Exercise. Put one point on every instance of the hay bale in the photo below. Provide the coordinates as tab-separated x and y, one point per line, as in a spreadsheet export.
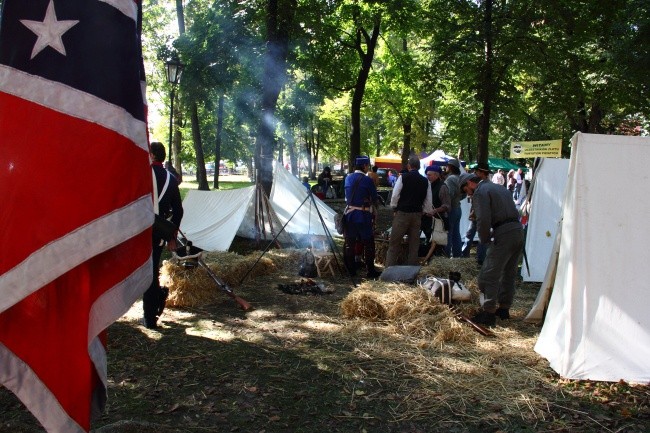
363	304
195	287
188	287
412	311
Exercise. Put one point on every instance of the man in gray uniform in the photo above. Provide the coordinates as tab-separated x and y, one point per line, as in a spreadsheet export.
497	218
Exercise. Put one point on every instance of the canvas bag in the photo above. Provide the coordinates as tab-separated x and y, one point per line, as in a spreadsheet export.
439	234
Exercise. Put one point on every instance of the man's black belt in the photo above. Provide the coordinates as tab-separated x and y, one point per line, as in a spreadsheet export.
500	223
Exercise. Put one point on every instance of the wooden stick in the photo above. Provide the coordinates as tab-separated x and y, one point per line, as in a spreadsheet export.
478	328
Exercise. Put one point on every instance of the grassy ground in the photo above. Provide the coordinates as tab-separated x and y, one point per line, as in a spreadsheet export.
295	363
225	182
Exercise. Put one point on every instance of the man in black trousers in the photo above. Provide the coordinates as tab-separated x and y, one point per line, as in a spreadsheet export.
169	205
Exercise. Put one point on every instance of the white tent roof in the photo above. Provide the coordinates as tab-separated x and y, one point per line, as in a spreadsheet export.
289	196
438	155
545	212
213	218
597	325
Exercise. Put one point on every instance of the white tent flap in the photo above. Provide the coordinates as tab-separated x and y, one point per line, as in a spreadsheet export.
597	325
548	183
211	218
289	196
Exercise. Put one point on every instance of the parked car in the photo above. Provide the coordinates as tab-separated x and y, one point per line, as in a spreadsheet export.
383	176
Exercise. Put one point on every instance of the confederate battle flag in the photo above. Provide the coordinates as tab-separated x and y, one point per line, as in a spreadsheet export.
76	207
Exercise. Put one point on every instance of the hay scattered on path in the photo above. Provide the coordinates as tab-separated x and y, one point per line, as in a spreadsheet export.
412	311
194	287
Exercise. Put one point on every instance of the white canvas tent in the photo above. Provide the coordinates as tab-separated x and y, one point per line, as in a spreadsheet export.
213	218
597	324
548	186
438	156
287	196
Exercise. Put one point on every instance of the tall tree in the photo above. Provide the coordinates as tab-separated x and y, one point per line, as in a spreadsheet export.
279	22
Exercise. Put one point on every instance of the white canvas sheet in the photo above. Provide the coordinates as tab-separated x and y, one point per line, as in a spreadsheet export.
211	218
287	197
597	325
545	212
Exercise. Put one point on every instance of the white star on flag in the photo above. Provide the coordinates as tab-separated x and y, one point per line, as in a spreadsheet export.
49	31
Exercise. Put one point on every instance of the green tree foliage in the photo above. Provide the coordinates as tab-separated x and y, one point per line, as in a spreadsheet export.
326	80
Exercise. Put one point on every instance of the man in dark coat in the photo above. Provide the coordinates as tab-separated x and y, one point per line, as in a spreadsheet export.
169	206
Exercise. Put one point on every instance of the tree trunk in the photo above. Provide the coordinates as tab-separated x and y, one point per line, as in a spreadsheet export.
291	148
175	159
309	153
279	19
488	87
217	145
406	150
201	176
198	148
363	39
378	142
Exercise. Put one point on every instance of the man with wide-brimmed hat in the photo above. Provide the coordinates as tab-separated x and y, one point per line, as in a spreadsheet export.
496	218
482	170
361	200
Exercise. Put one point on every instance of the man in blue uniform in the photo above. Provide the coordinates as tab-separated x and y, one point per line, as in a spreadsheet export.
361	200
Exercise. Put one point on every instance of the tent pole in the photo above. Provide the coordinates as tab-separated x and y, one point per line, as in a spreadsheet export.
273	241
333	246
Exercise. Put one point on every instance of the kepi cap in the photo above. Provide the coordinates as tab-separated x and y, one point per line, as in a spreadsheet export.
362	160
434	167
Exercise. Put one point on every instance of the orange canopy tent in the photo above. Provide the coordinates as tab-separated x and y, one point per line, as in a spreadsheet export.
391	160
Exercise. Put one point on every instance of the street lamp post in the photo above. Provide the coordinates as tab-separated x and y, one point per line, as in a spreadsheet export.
174	69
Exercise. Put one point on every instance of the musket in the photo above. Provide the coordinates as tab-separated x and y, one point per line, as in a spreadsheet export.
445	295
219	282
478	328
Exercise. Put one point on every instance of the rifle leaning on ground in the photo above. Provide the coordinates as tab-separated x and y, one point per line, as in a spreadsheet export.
191	255
444	292
464	319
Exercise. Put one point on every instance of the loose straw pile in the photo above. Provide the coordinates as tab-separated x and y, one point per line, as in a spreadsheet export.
194	287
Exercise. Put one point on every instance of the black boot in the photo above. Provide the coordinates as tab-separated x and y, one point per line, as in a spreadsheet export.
485	318
369	254
164	294
502	313
348	258
150	322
